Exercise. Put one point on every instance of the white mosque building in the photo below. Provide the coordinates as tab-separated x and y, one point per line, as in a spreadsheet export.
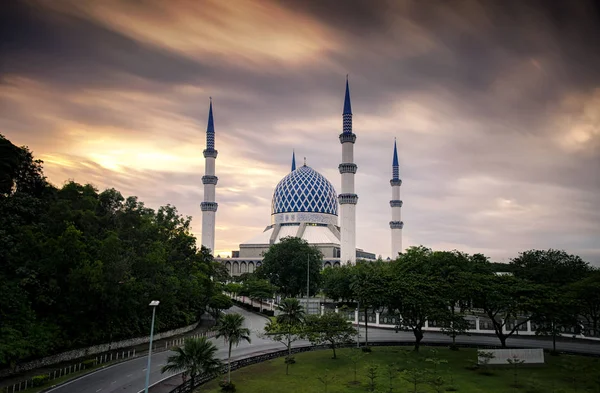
305	205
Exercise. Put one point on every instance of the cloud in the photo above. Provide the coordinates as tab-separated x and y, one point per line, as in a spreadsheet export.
494	105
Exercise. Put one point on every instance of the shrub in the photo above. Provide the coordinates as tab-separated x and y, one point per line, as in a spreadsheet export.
39	380
227	386
88	363
290	360
453	347
366	349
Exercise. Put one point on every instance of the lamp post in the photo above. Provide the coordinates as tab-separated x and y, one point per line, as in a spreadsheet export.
307	281
152	304
358	326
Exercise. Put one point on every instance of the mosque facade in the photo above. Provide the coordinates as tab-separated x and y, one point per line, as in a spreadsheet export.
305	205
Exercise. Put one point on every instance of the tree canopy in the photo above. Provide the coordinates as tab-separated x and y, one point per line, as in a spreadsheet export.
285	266
79	267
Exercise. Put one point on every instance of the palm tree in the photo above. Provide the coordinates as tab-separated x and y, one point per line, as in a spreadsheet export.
291	312
291	316
231	327
197	357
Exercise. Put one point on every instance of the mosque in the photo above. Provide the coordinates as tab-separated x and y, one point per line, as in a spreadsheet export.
304	205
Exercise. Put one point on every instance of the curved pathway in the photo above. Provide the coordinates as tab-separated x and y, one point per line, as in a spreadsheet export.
129	376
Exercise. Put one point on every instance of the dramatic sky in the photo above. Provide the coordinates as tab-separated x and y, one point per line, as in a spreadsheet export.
495	106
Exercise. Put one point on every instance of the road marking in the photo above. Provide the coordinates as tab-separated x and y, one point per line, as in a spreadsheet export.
129	375
113	382
145	369
98	390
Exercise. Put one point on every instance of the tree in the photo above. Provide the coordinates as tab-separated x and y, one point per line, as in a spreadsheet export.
451	274
231	327
331	328
218	303
549	267
19	171
71	253
257	289
285	266
586	294
552	311
369	288
287	327
503	299
196	358
416	298
336	283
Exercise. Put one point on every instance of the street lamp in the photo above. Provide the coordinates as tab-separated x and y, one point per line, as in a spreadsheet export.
152	304
307	280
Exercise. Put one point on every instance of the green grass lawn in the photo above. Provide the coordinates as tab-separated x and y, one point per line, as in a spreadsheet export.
562	373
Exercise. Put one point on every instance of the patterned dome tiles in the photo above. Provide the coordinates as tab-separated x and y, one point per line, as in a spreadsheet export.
304	190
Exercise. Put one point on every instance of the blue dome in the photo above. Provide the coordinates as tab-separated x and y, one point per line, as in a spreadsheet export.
304	190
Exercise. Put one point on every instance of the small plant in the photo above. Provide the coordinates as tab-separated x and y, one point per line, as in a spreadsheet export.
355	357
484	358
290	360
372	375
437	382
39	380
367	349
416	376
326	379
88	363
392	370
572	370
227	386
515	361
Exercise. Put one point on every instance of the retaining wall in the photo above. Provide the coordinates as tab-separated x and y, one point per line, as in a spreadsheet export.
93	350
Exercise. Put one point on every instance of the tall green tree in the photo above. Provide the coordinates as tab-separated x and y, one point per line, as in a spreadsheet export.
369	285
285	265
549	267
231	327
72	253
331	328
586	293
416	298
197	358
504	300
552	310
336	283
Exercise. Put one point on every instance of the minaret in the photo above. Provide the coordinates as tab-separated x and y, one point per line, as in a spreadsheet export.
347	198
209	206
396	224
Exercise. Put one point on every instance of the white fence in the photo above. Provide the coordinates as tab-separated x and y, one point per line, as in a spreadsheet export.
501	356
73	368
93	350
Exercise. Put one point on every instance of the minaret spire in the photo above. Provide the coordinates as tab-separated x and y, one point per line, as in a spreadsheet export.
209	206
347	199
347	105
293	161
396	224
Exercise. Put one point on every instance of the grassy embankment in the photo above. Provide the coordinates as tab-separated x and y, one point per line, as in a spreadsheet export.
563	373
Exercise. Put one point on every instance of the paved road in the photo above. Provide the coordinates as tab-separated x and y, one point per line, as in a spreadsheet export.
129	377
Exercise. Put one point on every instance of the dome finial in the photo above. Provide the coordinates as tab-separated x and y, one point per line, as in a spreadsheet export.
293	160
304	161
